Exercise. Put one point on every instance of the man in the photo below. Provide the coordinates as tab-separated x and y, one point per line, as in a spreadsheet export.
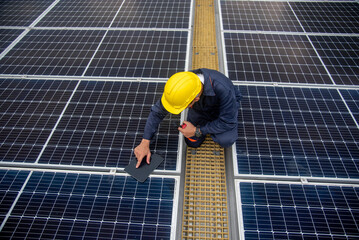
212	103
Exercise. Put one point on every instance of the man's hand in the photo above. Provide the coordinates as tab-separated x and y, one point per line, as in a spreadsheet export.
189	130
142	151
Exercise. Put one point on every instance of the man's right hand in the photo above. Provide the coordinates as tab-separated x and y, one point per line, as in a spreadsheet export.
141	151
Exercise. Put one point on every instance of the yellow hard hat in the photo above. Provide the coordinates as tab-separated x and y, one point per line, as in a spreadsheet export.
180	90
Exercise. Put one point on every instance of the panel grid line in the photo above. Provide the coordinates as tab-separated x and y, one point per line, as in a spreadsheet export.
57	123
27	30
103	38
15	201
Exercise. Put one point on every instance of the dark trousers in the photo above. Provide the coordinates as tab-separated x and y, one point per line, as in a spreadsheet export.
224	139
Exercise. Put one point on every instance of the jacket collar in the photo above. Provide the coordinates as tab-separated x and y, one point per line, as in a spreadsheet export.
208	82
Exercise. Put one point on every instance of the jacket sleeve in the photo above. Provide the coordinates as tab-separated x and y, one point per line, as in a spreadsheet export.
157	114
228	114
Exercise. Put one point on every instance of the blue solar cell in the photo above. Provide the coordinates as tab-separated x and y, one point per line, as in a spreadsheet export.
154	14
306	133
328	17
7	36
76	201
259	16
104	122
352	99
30	109
304	211
11	182
52	52
273	58
155	54
81	13
340	56
19	13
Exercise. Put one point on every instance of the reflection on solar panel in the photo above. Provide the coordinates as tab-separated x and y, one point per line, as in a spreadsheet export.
30	109
328	17
294	211
297	131
81	13
52	52
58	205
154	14
273	58
259	16
105	121
21	13
157	54
341	57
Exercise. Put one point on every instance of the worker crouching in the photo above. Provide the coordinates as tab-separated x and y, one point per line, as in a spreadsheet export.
212	102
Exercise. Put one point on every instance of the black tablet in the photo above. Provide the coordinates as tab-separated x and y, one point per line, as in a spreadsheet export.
142	173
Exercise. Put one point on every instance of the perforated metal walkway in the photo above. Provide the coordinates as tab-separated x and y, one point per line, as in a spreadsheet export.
205	211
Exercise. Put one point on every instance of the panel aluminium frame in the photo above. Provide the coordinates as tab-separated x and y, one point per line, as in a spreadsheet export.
33	27
102	174
309	36
307	124
275	181
278	179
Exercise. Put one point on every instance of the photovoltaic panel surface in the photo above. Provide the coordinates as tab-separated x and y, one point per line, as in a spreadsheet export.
341	57
21	13
284	131
273	58
81	13
68	205
7	36
154	14
104	122
11	182
295	211
328	17
52	52
29	111
157	54
296	132
352	100
259	16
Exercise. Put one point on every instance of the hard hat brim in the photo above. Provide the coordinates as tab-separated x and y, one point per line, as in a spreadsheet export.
170	108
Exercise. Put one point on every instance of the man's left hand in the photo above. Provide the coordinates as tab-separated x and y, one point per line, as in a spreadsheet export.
189	130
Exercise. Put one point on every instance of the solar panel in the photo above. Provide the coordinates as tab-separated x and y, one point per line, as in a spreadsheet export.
122	53
21	13
259	16
30	109
273	58
154	14
81	13
328	17
11	181
296	132
341	57
352	100
104	122
155	54
57	205
7	36
52	52
295	211
93	114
